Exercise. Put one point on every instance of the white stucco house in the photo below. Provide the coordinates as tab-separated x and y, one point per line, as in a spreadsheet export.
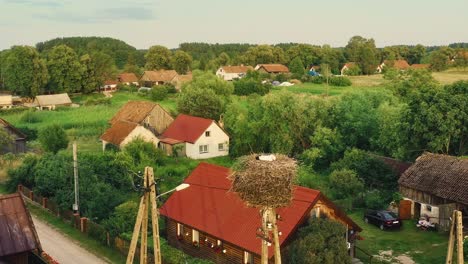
229	73
123	132
195	137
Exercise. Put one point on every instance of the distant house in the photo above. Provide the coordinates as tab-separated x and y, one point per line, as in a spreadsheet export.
197	138
229	73
180	79
18	139
137	119
434	186
123	132
420	66
161	77
18	237
208	221
272	68
109	86
51	101
128	78
6	101
401	65
346	67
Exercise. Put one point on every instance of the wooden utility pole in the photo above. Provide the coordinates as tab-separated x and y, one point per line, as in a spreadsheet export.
456	233
76	207
273	221
142	222
264	259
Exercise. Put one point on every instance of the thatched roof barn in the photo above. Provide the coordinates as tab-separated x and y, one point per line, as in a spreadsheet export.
51	101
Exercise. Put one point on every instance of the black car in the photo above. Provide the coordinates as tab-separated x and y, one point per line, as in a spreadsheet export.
383	219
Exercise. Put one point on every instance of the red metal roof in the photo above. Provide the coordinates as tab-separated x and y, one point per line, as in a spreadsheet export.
187	128
17	232
209	206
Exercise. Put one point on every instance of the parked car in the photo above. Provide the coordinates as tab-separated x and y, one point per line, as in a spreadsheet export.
383	219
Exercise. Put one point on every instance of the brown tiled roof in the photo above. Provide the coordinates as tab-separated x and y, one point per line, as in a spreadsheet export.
184	77
159	76
127	77
118	132
398	64
237	69
439	175
134	111
420	66
17	231
274	68
53	99
12	129
111	82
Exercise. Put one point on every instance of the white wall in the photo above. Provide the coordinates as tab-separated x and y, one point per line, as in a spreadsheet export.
217	136
227	76
433	214
143	133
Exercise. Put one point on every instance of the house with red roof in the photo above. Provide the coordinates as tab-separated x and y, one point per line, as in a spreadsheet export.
109	86
207	220
347	66
401	65
128	78
272	68
195	137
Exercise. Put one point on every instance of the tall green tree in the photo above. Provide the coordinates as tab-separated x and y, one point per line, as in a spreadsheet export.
181	62
65	70
416	54
296	68
53	138
89	81
364	52
439	60
157	58
24	72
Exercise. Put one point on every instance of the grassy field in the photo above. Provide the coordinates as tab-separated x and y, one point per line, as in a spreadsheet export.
409	241
322	89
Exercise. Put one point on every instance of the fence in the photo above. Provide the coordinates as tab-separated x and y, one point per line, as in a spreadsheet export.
82	224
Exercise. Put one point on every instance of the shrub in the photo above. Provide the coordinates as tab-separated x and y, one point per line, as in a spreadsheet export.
340	81
24	174
122	219
282	77
30	133
53	138
97	101
375	200
30	116
158	93
354	70
250	86
317	79
345	183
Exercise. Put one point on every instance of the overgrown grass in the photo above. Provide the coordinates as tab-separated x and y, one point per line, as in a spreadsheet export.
83	240
421	246
320	89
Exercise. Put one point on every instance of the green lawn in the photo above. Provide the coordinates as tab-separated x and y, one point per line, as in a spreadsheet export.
422	246
321	89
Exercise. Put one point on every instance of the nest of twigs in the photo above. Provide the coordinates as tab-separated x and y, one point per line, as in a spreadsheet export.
263	183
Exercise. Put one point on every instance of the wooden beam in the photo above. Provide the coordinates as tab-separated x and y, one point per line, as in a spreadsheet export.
144	228
154	218
275	236
264	259
449	259
459	221
136	231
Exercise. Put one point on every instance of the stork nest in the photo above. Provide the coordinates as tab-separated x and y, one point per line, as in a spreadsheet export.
264	183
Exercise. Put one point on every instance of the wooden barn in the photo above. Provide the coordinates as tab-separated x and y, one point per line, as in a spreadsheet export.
17	139
434	186
142	119
18	237
6	101
208	221
51	101
161	77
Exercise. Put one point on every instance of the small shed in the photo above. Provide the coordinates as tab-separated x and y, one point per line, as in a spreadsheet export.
51	101
18	237
6	101
18	139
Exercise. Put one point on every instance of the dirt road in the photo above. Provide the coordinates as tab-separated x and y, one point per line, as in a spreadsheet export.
62	248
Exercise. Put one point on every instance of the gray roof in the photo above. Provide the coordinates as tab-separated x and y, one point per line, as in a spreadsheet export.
6	100
53	99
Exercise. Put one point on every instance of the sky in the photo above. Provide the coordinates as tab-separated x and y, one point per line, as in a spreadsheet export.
143	23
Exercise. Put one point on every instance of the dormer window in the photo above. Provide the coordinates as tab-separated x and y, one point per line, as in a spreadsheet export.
207	133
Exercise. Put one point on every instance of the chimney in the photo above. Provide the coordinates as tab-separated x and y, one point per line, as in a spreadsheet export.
221	121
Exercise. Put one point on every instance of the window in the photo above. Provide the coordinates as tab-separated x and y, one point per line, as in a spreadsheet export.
429	208
203	149
195	237
219	243
180	229
221	146
207	133
248	258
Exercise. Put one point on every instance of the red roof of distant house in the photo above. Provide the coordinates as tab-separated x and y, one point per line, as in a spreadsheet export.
187	128
17	232
118	132
398	64
159	76
274	68
111	82
128	77
208	205
349	64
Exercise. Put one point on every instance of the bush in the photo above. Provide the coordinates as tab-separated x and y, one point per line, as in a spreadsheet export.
158	93
317	79
53	138
375	200
97	101
340	81
30	116
282	77
345	183
354	70
250	86
122	219
24	174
